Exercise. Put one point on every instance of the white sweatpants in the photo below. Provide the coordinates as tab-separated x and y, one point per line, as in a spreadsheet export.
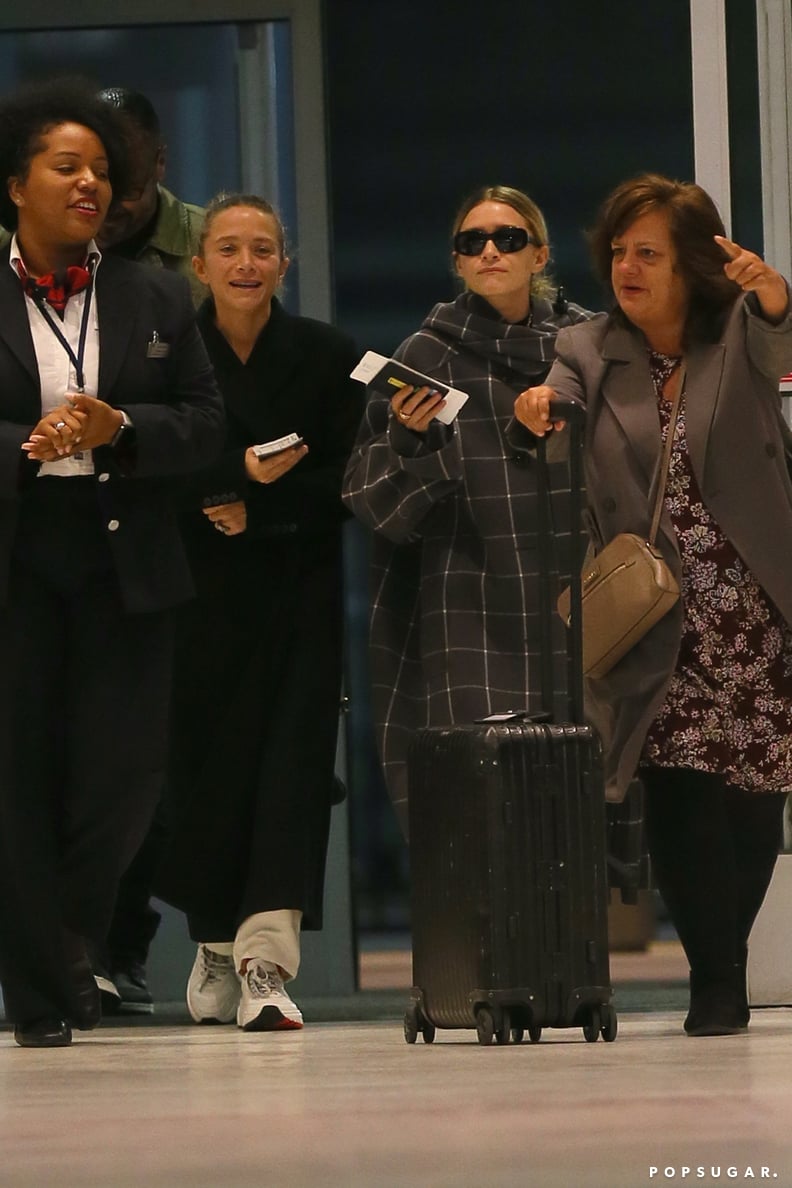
269	936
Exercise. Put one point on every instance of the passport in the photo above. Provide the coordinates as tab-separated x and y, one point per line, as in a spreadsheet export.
388	375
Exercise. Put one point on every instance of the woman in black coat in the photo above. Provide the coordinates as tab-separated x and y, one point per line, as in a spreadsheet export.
106	393
258	673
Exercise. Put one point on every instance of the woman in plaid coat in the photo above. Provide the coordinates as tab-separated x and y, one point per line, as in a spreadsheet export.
455	628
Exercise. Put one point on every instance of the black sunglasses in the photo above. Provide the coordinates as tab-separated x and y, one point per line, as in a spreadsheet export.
506	240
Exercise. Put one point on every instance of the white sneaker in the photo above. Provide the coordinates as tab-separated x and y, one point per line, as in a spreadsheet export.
265	1005
213	989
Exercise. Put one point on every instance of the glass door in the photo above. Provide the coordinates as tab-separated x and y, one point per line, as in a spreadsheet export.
237	85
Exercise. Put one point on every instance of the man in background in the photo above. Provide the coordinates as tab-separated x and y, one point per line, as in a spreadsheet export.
155	227
150	224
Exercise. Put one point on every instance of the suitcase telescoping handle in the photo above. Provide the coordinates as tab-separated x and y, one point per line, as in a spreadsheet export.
566	408
573	413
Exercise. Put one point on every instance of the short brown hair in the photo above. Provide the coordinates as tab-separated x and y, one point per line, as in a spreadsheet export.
693	221
541	284
226	201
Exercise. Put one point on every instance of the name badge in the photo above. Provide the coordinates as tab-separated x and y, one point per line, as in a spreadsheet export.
156	349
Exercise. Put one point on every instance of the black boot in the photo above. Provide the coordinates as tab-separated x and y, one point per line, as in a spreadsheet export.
741	981
87	1006
718	1003
43	1033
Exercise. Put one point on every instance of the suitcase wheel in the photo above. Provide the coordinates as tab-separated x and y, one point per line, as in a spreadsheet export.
503	1034
610	1024
485	1025
593	1026
603	1022
414	1022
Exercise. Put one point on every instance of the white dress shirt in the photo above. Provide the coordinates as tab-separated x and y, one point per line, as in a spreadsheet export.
56	371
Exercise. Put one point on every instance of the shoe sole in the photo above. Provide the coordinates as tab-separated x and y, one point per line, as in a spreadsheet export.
270	1018
134	1008
63	1041
212	1020
714	1028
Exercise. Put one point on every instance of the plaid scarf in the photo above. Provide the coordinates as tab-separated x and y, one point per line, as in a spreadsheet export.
527	349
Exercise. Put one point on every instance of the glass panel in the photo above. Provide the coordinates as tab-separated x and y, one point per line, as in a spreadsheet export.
190	74
564	107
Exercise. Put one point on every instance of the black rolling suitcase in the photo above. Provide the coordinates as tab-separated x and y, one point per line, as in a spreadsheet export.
509	880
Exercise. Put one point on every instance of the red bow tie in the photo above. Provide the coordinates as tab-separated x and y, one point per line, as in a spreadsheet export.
45	288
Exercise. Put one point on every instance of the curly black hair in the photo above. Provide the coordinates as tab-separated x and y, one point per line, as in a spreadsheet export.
31	111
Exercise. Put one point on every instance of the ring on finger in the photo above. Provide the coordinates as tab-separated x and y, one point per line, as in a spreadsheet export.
60	425
220	527
403	416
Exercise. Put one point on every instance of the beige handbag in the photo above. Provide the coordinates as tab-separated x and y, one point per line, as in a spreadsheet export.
627	587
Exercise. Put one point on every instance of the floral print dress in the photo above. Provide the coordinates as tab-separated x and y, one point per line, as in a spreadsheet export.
728	708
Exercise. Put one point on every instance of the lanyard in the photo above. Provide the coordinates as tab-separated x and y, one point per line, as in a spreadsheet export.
78	359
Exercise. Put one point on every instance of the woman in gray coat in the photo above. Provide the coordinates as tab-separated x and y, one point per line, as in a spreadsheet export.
455	622
703	702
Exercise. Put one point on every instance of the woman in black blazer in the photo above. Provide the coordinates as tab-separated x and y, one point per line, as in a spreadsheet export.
258	663
106	393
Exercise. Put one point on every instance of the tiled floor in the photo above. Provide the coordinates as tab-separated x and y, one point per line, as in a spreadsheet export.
350	1105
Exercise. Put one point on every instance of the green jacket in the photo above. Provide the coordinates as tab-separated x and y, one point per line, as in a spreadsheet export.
175	240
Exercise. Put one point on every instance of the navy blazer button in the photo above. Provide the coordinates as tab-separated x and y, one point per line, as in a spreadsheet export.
104	476
770	449
113	525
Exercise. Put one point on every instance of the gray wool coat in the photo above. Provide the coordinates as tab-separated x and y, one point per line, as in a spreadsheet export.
455	618
738	446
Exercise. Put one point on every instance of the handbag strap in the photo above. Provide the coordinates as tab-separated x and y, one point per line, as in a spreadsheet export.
666	462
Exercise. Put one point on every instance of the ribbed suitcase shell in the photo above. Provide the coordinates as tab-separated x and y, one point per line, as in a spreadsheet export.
509	880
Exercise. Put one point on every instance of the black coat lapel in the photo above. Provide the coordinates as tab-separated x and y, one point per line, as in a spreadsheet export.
117	306
274	356
274	351
14	323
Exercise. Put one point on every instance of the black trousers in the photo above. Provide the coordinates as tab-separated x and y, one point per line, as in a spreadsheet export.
84	693
713	849
135	921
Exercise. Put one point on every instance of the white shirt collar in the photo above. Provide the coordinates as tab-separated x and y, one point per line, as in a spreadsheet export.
91	253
